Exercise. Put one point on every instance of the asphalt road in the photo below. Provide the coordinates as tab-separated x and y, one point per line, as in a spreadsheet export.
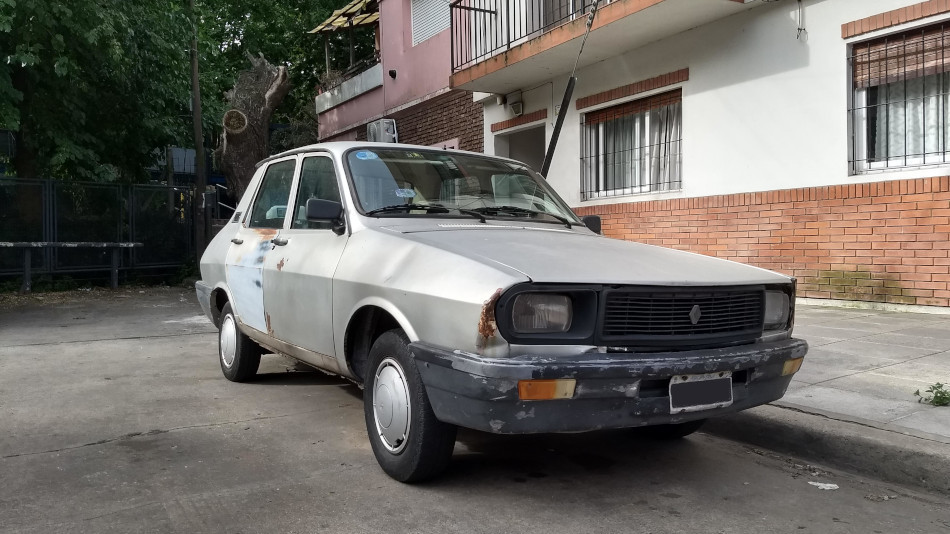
114	417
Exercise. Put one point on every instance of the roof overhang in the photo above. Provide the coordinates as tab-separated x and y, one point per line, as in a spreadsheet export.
619	26
356	13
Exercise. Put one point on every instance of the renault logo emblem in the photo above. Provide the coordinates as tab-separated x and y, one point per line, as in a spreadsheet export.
695	314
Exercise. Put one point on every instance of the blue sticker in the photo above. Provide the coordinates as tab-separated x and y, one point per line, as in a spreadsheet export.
365	154
405	193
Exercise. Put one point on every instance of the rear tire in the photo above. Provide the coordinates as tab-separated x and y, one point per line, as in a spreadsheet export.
238	355
672	431
408	441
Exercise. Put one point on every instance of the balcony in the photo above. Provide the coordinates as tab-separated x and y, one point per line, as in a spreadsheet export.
541	37
361	82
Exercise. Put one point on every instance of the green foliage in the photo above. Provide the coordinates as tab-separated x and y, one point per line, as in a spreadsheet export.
937	394
93	87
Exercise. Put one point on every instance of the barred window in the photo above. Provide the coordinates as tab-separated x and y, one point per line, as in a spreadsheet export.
899	113
635	147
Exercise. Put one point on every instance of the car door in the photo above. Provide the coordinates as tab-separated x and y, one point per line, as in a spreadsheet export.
298	273
255	240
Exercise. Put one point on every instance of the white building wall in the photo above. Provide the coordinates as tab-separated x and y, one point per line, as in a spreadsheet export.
762	110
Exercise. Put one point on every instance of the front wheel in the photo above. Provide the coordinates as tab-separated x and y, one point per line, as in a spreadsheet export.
408	441
238	354
672	431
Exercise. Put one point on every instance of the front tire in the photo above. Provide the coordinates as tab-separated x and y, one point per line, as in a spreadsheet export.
672	431
408	441
238	354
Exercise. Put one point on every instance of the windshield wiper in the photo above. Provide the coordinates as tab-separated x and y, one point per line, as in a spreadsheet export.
431	208
435	208
516	211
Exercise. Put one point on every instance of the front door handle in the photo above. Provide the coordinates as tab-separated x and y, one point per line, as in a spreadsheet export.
237	241
279	241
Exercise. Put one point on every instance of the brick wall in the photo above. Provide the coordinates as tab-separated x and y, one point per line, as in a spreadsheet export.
444	117
881	242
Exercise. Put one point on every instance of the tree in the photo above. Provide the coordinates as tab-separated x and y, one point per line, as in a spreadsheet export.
257	93
91	89
94	89
232	29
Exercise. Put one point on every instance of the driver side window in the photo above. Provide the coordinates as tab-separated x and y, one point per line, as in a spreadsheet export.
270	206
317	180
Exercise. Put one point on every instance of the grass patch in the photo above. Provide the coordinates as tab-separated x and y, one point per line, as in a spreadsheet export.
937	395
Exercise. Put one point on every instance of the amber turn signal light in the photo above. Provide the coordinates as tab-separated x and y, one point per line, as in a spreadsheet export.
546	389
792	366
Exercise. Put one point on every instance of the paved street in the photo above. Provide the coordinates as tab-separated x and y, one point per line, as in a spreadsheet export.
114	417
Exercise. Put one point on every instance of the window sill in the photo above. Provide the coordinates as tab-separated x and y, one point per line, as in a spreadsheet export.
640	196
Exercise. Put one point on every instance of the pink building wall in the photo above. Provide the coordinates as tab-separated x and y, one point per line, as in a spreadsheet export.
420	70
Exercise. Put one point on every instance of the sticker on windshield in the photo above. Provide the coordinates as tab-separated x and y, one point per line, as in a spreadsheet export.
366	154
405	193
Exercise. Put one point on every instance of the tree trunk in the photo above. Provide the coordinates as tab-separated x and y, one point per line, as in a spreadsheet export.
257	93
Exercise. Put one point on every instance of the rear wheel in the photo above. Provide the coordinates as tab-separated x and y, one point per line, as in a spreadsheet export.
238	354
408	441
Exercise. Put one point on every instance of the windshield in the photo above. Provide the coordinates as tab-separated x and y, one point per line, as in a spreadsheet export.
400	182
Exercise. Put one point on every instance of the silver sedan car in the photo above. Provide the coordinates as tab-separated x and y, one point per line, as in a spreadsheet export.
459	290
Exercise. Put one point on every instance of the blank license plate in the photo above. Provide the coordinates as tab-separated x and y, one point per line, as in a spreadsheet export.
691	393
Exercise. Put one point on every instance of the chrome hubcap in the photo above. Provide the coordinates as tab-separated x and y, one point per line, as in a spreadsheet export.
227	341
391	405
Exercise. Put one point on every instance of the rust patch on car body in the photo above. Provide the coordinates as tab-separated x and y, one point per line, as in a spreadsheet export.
486	321
270	329
265	233
280	264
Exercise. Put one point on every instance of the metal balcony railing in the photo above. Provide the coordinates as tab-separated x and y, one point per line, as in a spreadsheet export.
484	28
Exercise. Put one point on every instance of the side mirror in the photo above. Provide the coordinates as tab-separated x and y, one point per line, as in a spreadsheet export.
592	222
319	210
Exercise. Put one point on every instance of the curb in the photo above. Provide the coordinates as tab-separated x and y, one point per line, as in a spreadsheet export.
862	447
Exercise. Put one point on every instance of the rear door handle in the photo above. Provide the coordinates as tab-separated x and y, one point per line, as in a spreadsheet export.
237	240
279	241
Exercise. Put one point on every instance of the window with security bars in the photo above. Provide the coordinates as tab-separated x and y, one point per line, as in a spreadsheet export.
635	147
900	105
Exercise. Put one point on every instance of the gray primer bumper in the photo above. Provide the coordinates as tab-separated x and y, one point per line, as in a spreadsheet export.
613	390
203	291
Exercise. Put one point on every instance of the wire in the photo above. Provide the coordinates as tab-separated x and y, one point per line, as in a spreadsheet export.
801	21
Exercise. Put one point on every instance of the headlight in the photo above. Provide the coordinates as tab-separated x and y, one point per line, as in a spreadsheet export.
540	313
776	310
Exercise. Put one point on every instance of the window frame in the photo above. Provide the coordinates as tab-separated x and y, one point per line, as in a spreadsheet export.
298	183
861	75
593	184
248	222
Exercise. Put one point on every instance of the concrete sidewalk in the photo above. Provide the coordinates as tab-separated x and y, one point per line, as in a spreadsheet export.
853	402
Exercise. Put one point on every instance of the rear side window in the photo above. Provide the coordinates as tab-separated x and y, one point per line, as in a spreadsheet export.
270	206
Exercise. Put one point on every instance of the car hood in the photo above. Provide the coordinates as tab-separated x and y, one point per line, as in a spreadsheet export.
546	254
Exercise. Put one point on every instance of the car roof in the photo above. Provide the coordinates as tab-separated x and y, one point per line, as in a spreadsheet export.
340	147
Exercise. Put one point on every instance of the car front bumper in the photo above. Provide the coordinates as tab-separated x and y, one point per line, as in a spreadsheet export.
613	390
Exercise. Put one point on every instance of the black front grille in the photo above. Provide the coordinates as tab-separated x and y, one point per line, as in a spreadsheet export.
689	315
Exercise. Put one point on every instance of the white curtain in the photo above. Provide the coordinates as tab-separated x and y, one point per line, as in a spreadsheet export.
908	121
641	151
666	137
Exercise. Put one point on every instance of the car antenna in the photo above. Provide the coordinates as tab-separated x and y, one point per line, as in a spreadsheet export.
568	92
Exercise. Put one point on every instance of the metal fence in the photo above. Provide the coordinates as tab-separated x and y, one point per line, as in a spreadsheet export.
483	28
158	216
